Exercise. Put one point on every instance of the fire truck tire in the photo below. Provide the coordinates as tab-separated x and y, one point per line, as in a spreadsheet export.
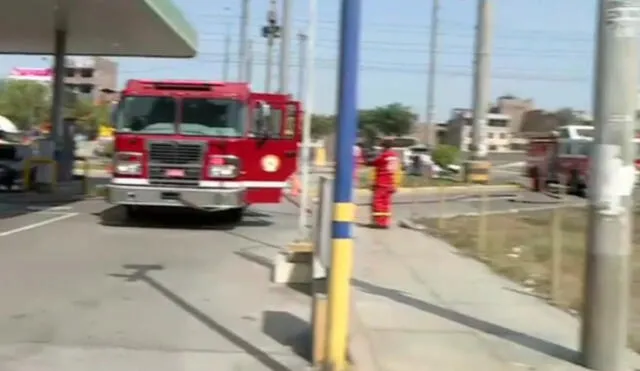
576	186
235	215
535	180
132	212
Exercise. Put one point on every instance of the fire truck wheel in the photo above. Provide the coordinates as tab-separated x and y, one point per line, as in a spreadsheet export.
132	212
575	186
235	215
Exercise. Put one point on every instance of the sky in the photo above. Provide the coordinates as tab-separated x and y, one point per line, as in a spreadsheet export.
541	49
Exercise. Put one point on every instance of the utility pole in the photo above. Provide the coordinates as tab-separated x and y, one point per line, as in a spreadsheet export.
271	32
242	44
227	51
307	57
341	267
477	170
249	65
285	47
431	83
607	274
302	45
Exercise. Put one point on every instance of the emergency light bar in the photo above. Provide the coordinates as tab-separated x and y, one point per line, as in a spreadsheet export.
183	87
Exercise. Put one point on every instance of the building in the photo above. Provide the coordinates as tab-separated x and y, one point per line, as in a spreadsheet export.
91	76
498	131
515	108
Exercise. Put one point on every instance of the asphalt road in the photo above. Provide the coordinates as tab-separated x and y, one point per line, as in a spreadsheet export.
85	290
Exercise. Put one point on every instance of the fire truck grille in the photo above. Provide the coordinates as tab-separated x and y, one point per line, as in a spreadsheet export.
173	163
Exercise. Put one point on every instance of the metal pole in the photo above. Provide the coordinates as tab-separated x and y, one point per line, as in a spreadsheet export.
242	44
302	45
271	32
249	64
607	281
431	83
481	80
269	66
285	47
307	54
227	55
344	209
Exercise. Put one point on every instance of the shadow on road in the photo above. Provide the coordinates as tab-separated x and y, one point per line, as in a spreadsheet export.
140	273
525	340
116	216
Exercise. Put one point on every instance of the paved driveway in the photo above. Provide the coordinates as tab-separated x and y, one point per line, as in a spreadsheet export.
173	292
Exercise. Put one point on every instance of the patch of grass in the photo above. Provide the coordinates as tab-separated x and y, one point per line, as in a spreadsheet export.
518	246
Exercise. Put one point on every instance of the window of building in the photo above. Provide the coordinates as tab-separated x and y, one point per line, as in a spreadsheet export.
503	135
86	72
85	88
70	72
490	135
493	147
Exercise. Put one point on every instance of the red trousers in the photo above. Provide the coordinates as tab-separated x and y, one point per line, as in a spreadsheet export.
381	207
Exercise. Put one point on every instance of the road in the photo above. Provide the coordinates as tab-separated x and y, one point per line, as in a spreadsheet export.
85	290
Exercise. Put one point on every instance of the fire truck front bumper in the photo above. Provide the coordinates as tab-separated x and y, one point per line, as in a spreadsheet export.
197	198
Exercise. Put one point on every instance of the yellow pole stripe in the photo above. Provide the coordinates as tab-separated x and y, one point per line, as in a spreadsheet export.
339	300
344	212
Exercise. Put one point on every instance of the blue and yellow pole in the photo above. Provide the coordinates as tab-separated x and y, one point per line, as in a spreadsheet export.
344	209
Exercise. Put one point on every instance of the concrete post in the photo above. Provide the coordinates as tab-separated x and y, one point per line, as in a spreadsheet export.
63	151
607	281
285	47
477	170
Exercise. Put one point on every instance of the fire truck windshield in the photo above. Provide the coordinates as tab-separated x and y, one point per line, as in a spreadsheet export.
198	116
212	117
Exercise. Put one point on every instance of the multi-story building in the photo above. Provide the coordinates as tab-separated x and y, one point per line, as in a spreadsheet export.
497	132
93	77
515	108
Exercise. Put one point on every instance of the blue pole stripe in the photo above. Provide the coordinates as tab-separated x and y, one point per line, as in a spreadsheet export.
341	230
347	123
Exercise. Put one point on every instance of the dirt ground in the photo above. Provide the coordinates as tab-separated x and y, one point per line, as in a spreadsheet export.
519	246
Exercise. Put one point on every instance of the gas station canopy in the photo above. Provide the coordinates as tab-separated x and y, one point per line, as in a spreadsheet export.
136	28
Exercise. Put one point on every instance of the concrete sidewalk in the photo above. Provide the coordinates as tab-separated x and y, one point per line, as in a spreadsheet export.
418	305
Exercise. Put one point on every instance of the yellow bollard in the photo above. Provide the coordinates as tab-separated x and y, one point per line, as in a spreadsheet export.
321	157
26	176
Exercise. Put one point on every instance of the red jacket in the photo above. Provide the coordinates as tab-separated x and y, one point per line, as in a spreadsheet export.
385	168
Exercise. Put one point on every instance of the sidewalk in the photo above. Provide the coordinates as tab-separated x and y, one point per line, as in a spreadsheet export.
418	305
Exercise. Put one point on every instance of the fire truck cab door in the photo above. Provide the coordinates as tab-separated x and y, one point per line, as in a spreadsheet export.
274	149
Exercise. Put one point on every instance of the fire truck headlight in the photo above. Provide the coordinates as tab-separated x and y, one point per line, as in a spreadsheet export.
222	171
128	163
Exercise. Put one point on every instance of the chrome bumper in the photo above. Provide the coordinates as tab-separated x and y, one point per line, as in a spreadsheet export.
199	198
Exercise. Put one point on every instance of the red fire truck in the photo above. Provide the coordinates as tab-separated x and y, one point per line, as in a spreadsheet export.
561	157
204	145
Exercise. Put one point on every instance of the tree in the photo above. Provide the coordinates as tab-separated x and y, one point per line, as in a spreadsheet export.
566	116
322	125
393	119
26	103
445	155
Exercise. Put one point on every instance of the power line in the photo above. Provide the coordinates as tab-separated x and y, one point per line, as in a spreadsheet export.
386	46
400	68
510	33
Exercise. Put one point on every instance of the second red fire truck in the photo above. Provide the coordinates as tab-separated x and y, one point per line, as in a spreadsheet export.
561	157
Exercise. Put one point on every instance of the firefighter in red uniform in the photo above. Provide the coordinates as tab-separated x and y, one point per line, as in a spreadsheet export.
384	186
